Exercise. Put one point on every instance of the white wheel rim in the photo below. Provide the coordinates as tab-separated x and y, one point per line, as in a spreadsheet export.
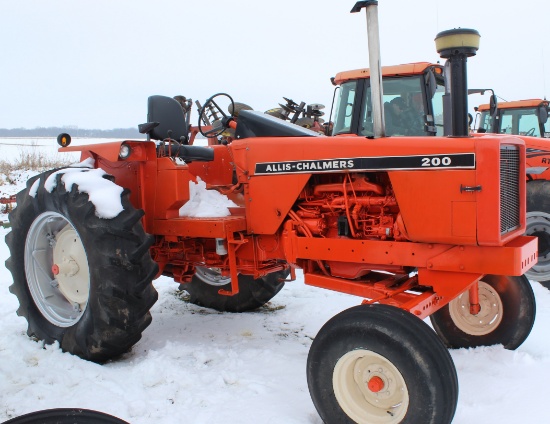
489	316
538	224
212	276
56	268
369	388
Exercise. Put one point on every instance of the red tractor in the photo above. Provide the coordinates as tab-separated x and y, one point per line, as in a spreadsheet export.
521	117
423	90
414	226
529	120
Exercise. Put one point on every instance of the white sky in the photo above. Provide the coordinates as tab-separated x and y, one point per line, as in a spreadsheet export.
93	63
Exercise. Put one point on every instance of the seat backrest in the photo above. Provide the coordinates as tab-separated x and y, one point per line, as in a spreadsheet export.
170	116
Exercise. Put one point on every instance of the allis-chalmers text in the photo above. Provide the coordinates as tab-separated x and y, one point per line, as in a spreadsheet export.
377	163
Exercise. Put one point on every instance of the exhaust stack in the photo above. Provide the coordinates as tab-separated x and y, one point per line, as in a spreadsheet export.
456	45
371	8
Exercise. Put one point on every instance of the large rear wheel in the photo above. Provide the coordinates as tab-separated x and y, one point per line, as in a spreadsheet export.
81	280
506	316
380	364
538	224
204	290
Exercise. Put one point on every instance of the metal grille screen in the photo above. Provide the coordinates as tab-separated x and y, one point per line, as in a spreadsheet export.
509	188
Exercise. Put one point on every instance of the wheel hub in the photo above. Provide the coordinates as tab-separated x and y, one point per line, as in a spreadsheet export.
369	388
70	260
489	316
375	384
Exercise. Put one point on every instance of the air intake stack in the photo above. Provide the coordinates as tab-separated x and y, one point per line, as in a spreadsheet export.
456	45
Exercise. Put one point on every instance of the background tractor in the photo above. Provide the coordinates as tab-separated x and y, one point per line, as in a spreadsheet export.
529	120
521	117
414	226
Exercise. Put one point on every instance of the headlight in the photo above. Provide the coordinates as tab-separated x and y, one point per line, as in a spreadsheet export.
125	151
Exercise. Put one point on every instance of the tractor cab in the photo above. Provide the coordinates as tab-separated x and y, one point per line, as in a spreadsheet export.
522	117
415	91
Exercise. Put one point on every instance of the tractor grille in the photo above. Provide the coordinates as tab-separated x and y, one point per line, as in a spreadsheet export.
509	188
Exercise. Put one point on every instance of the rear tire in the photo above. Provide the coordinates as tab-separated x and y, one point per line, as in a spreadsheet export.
506	317
538	224
378	363
81	280
253	293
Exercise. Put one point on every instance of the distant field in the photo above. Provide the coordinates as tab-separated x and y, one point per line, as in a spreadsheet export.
15	149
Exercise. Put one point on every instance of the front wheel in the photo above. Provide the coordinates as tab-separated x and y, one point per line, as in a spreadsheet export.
380	364
204	290
506	316
81	280
66	416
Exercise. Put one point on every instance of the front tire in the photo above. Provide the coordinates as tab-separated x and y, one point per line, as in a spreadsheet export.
506	317
378	363
66	416
253	293
81	280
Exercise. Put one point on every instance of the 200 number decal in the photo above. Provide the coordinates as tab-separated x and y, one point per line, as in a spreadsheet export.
436	161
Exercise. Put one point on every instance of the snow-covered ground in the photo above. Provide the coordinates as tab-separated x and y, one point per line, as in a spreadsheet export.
197	366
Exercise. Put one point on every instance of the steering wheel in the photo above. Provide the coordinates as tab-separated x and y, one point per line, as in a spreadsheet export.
530	132
211	105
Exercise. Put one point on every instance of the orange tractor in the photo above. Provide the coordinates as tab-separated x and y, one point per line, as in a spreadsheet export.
521	117
529	120
414	226
423	90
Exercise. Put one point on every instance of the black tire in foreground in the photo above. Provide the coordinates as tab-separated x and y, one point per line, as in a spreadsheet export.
81	280
538	224
378	363
66	416
253	293
506	317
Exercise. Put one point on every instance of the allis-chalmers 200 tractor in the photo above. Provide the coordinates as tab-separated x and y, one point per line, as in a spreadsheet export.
414	226
425	91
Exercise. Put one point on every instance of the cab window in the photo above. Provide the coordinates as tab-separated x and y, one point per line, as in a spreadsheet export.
404	109
484	122
437	103
344	108
520	122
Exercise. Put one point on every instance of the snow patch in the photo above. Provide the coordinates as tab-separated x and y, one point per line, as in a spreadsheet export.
34	188
104	194
205	203
86	163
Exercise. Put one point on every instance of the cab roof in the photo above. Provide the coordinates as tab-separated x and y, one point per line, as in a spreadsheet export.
417	68
516	104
